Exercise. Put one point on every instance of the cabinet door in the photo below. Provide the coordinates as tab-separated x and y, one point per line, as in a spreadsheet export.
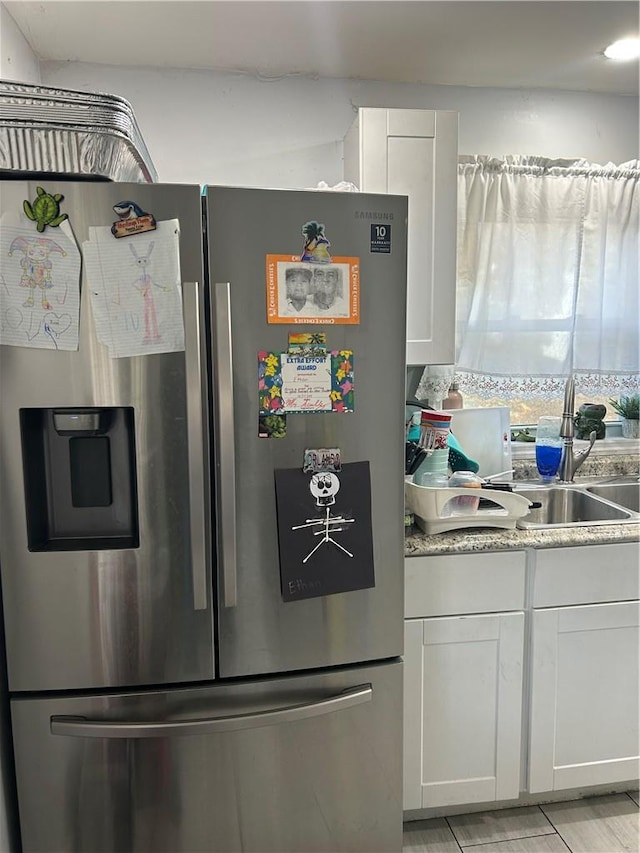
415	153
584	696
462	713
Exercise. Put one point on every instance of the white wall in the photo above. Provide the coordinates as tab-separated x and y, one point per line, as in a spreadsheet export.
17	60
230	128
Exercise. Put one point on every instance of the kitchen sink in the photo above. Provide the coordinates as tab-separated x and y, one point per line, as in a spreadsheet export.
625	493
571	506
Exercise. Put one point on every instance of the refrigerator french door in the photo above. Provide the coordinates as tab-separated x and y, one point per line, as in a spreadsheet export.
163	694
100	616
258	631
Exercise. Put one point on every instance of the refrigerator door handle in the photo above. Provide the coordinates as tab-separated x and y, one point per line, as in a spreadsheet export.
81	727
226	461
193	344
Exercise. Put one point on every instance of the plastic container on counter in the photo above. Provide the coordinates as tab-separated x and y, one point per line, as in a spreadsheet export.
463	505
431	478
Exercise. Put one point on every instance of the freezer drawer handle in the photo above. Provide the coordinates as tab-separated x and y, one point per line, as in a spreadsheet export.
81	727
194	323
226	460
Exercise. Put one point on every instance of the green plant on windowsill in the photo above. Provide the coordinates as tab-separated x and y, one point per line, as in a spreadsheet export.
628	407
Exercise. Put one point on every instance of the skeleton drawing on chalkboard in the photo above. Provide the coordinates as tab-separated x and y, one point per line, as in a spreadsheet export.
324	487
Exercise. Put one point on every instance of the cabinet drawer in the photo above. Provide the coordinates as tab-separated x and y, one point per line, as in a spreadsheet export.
589	574
440	585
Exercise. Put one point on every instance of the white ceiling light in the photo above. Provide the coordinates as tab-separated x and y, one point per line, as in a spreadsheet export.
623	49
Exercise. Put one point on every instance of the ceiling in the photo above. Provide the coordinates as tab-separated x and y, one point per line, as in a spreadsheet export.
550	44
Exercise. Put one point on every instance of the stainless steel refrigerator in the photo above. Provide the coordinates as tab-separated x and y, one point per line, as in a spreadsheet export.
168	691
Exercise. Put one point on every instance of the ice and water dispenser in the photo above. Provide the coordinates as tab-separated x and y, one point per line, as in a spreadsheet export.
80	478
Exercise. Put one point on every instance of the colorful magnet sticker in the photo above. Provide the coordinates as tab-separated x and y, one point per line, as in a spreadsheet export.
307	343
325	533
272	426
269	383
44	210
304	384
316	245
321	459
132	219
342	382
313	293
39	286
380	242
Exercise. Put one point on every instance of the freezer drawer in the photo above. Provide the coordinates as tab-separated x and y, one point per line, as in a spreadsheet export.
297	763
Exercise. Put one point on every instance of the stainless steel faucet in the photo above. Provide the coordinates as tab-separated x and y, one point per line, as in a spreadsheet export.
570	462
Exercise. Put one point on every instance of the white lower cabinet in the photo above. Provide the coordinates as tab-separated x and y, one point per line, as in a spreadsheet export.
465	650
463	709
584	696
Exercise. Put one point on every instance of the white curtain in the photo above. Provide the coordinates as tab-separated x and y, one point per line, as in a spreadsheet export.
547	276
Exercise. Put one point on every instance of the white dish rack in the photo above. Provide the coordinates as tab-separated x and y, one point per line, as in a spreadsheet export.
433	511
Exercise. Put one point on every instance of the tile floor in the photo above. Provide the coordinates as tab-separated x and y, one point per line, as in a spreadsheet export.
608	824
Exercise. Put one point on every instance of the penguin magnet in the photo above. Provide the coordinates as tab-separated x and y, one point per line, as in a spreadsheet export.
133	220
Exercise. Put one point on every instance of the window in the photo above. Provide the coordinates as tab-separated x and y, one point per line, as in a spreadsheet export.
547	282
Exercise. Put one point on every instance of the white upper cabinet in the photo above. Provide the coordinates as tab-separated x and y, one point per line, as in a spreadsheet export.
415	153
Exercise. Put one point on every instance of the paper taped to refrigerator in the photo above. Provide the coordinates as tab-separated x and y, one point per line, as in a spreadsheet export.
39	285
136	294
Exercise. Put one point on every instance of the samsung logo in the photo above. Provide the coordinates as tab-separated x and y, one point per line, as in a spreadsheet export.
370	214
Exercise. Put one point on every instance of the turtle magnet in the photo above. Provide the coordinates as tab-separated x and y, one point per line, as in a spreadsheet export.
45	209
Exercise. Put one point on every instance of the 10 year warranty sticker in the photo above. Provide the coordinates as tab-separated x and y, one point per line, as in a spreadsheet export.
380	238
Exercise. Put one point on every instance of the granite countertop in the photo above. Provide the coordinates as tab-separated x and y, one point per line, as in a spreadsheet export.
466	541
418	544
